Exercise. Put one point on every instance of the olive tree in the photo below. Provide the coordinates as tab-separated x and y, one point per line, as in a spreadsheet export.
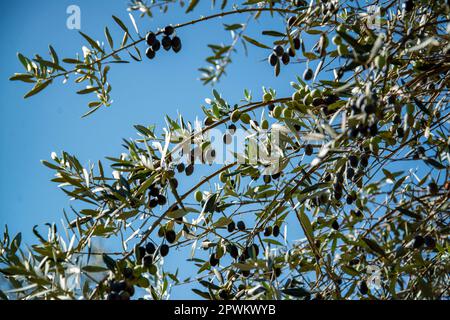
355	161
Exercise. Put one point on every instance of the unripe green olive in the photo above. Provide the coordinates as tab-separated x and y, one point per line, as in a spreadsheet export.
287	113
316	93
380	61
265	124
307	100
267	97
198	196
296	96
342	50
245	118
235	116
222	177
341	29
276	113
337	40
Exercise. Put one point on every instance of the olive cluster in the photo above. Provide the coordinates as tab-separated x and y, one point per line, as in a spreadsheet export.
167	42
122	289
366	105
279	53
428	241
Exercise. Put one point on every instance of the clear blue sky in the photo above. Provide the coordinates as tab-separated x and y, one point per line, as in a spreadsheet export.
142	92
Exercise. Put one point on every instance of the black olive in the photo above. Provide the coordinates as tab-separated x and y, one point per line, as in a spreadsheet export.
276	175
350	199
268	231
147	261
213	261
433	188
278	50
180	167
291	52
296	43
161	200
176	44
285	58
168	30
166	43
223	294
418	242
309	149
364	161
114	296
335	225
363	287
241	225
308	74
233	251
291	21
276	231
170	236
150	248
189	170
150	38
353	161
430	242
373	129
408	5
153	203
127	272
231	226
267	179
273	59
124	295
164	250
150	53
156	45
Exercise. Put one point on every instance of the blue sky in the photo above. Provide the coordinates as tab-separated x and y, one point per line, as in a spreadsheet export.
143	93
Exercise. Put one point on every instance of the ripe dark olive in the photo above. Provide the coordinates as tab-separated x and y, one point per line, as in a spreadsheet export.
232	128
168	30
353	161
271	107
369	108
189	170
161	200
350	199
174	182
150	38
291	52
130	290
358	213
140	253
433	188
353	133
350	173
291	21
408	5
223	294
147	261
233	251
308	74
150	248
364	161
276	176
241	225
277	272
231	226
278	50
297	127
273	59
276	231
150	53
117	286
164	250
156	45
176	44
335	225
213	261
127	272
418	242
114	296
170	236
268	231
296	43
309	149
154	191
267	179
363	287
430	242
245	273
166	43
153	203
180	167
285	58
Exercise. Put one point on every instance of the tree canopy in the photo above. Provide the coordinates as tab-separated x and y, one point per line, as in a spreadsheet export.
356	160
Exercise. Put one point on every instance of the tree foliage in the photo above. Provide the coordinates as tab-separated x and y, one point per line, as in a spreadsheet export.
362	174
